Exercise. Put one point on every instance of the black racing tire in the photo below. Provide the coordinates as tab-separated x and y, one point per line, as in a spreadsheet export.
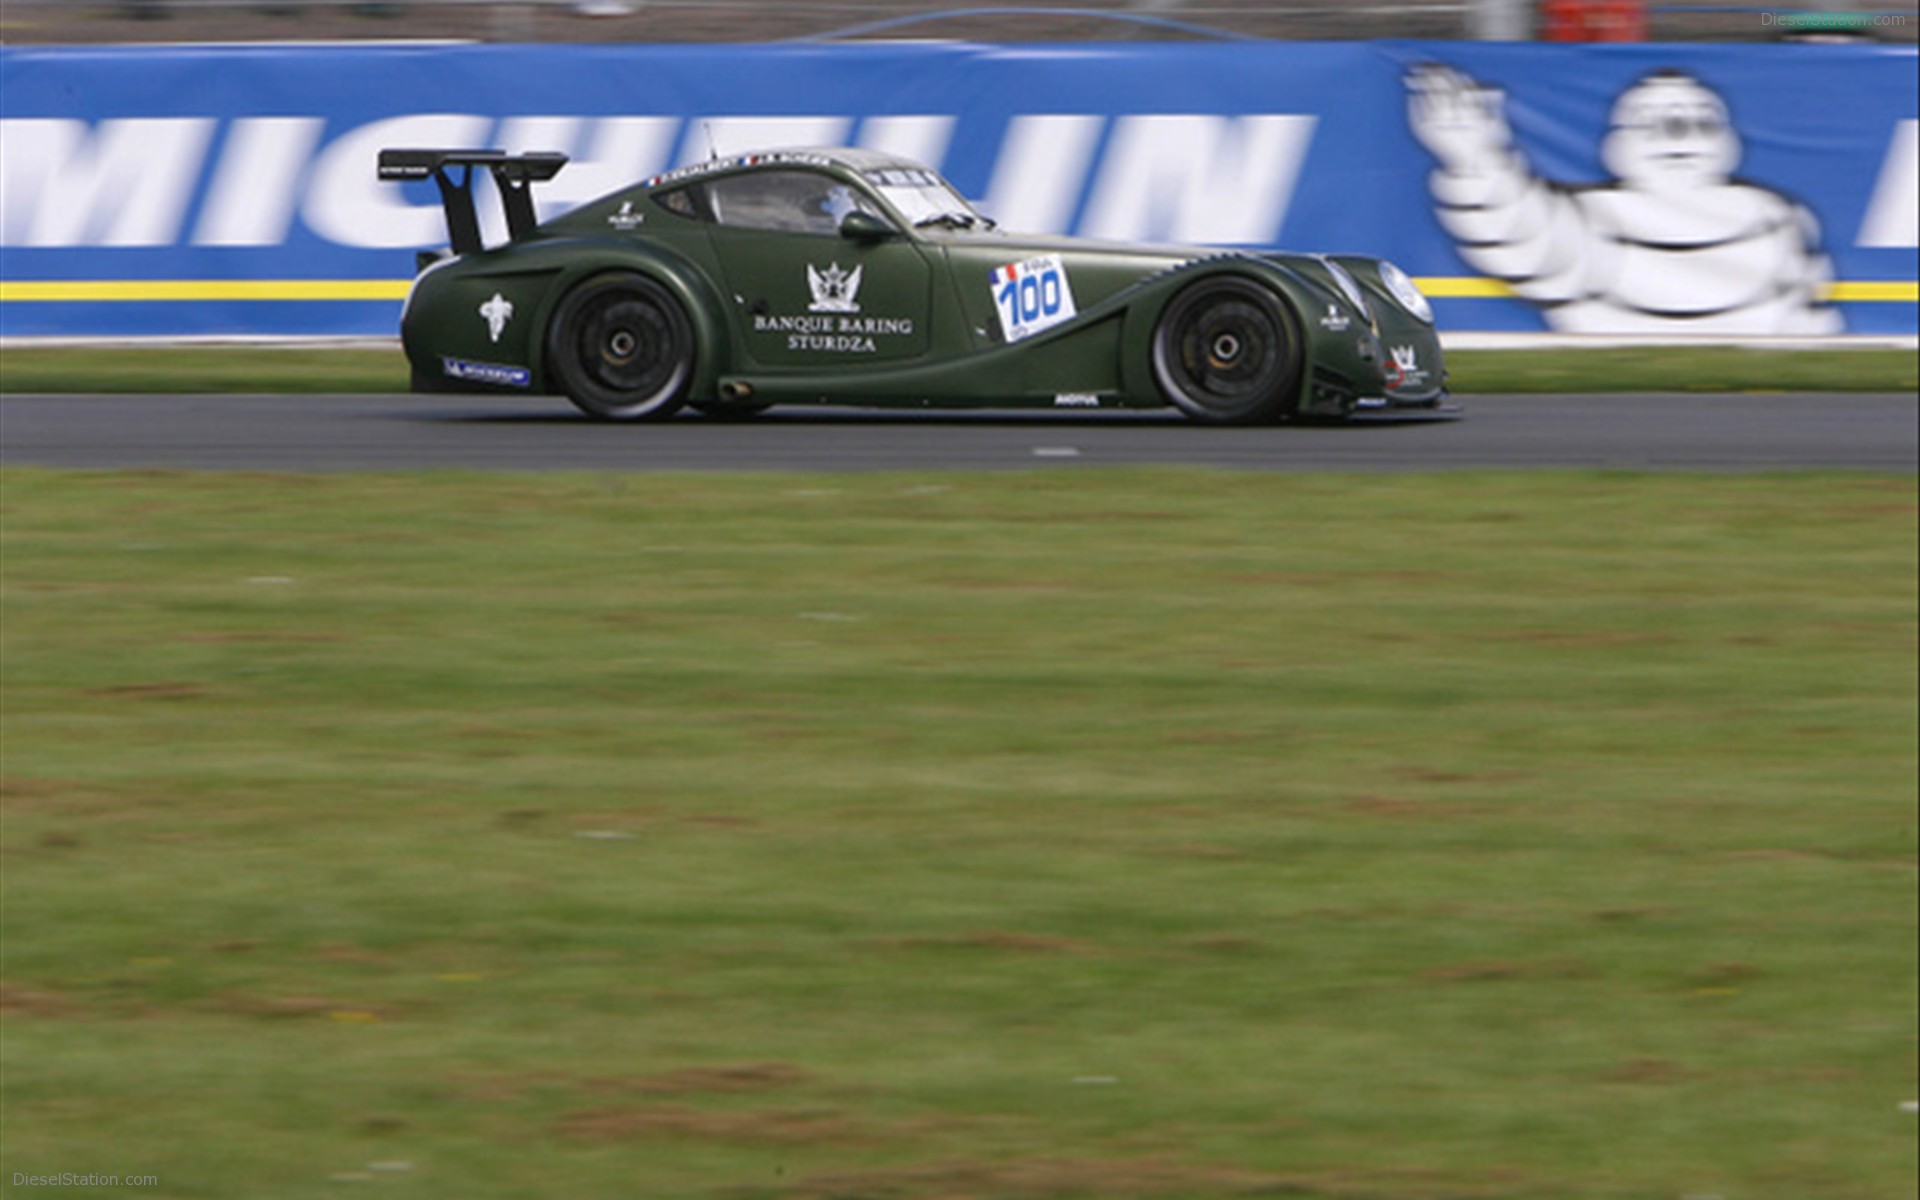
622	348
1227	350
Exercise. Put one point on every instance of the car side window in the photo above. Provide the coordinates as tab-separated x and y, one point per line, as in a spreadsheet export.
791	201
688	201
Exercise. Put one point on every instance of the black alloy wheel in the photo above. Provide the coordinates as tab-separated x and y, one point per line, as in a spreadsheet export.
1227	350
622	348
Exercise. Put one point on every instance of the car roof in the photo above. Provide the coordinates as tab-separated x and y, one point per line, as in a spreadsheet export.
845	158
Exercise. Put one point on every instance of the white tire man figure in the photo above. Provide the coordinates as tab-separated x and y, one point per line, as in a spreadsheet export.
1674	243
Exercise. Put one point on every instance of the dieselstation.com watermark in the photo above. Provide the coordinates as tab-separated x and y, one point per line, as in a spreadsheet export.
62	1179
1832	22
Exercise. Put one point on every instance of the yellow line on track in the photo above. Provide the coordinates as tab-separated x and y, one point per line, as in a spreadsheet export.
97	290
1866	289
1472	287
1441	287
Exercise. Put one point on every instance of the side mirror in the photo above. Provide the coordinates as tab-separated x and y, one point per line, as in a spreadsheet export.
863	226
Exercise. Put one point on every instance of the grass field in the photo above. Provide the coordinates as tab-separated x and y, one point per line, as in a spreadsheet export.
1061	835
1656	369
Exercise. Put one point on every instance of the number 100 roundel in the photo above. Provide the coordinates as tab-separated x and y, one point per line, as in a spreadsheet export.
1032	296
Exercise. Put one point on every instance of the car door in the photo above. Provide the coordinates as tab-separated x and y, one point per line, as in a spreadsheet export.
804	295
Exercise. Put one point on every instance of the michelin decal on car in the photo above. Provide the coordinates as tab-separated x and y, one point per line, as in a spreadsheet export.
481	372
1675	242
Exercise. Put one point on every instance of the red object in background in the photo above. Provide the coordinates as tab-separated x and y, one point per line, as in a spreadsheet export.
1593	21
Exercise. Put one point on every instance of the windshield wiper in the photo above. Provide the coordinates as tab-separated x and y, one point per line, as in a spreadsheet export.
952	220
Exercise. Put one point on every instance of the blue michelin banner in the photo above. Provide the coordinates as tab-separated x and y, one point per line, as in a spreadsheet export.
1736	190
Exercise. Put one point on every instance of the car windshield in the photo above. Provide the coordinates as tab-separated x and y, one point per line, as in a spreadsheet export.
925	199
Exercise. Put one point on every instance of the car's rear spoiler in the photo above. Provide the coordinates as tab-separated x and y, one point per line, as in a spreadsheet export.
513	173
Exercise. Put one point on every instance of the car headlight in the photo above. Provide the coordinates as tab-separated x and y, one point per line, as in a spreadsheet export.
1350	288
1402	290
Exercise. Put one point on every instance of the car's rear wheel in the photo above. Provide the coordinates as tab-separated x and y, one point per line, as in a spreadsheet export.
622	349
1228	351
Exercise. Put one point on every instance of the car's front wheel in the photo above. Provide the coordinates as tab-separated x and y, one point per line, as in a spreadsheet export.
622	349
1227	350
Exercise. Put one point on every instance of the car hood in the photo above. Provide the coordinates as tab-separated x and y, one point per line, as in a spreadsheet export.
1138	258
1034	244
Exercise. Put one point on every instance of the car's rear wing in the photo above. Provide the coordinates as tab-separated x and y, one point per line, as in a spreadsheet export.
512	173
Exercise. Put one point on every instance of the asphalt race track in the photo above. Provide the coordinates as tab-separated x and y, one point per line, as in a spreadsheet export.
1747	432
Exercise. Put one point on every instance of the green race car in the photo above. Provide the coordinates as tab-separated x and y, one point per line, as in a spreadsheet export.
852	277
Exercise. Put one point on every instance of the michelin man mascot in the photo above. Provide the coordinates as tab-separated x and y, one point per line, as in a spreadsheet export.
1674	244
